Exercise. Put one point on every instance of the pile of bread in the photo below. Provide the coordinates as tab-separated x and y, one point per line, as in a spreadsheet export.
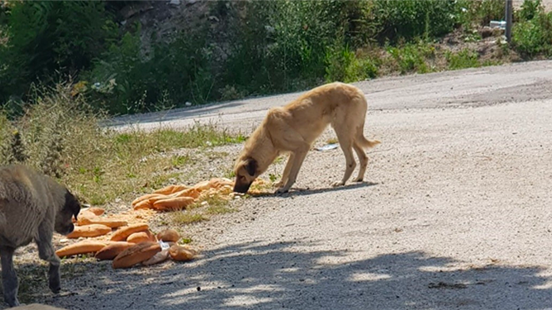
177	197
127	245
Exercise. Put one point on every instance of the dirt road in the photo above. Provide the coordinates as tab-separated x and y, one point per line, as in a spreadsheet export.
456	212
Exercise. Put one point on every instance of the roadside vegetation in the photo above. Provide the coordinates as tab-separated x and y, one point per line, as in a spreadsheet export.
236	49
61	135
67	66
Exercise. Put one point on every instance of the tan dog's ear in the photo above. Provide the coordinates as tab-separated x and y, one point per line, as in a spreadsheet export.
251	166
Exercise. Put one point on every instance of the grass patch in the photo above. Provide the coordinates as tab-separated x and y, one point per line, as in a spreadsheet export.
187	217
222	209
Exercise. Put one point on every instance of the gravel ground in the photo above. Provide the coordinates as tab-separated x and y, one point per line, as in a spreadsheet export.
455	212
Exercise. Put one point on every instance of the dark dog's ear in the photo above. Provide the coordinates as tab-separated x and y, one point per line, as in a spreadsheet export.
72	203
251	166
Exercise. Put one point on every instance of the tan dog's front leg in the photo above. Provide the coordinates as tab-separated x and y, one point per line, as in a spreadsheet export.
287	169
296	163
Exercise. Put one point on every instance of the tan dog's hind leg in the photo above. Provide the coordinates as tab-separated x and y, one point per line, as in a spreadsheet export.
349	162
346	144
363	159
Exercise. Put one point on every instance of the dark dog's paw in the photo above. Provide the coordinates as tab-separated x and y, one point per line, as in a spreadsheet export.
55	286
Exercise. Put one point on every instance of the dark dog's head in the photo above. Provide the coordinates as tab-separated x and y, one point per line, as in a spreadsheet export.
64	224
246	172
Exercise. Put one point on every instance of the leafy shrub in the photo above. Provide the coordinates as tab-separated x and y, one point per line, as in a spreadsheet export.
529	10
412	57
48	37
533	37
480	12
408	19
284	45
464	59
125	81
343	65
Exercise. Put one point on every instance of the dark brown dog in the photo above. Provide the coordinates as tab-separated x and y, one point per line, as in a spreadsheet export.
32	207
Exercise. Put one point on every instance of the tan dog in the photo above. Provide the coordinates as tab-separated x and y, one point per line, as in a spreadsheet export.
294	128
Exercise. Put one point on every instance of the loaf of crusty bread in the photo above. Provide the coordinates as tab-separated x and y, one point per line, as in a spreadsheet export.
168	235
93	230
122	233
136	254
181	253
110	251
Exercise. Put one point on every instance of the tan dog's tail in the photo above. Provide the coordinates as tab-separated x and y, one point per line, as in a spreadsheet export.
365	143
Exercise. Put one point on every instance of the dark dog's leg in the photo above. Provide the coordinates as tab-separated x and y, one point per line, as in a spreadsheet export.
9	277
47	253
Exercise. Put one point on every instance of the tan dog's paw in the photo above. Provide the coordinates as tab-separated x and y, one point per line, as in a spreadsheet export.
282	190
279	184
337	184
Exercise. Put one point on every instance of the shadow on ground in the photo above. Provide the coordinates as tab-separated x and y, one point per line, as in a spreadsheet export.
291	275
298	191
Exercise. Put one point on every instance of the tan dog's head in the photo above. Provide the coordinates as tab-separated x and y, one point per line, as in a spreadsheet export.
246	171
64	224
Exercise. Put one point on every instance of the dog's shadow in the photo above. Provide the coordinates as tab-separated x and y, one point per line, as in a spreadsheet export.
308	191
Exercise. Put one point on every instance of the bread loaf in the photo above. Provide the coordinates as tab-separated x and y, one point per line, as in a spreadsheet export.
83	247
138	237
92	230
85	217
181	253
168	235
175	203
122	233
110	251
157	258
96	210
136	254
170	189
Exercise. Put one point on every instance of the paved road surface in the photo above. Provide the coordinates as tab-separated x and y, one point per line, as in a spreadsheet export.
456	212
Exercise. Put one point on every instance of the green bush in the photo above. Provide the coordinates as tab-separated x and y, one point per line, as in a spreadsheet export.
479	12
408	19
343	65
464	59
125	81
284	45
50	39
533	37
529	10
412	57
